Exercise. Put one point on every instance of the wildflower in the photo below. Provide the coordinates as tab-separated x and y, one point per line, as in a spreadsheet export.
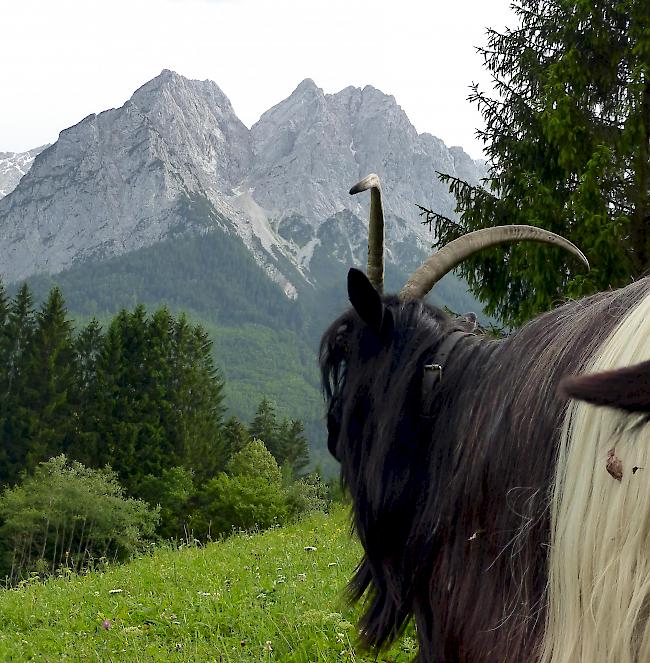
106	624
268	646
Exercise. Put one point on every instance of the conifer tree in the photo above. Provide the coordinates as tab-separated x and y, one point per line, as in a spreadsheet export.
86	446
18	423
567	141
4	379
236	437
204	446
294	446
116	449
265	427
49	382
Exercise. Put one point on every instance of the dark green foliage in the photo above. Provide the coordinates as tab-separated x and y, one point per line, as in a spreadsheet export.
143	397
235	435
285	440
17	343
85	444
568	147
49	383
293	443
66	515
172	492
265	427
162	398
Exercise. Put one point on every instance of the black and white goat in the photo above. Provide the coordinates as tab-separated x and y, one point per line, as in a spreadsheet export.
497	507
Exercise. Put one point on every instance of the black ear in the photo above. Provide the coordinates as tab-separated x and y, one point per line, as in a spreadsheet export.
623	388
365	299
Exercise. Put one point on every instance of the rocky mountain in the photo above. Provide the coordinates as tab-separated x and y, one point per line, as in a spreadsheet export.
175	160
13	165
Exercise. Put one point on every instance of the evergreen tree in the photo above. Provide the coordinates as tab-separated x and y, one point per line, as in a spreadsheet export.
110	406
294	446
265	427
49	382
162	398
568	149
18	424
198	397
235	436
86	446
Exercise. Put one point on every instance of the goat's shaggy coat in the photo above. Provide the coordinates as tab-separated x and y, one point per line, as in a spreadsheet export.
483	502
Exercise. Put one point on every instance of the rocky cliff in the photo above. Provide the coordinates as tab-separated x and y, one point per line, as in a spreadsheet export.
175	159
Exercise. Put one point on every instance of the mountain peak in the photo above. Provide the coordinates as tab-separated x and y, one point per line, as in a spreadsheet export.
169	82
307	87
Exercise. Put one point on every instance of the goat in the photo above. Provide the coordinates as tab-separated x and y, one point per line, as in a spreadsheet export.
501	505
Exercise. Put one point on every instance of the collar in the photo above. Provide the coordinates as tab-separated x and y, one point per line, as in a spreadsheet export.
433	369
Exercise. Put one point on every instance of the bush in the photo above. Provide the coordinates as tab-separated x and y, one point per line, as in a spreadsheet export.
249	496
66	515
306	495
171	492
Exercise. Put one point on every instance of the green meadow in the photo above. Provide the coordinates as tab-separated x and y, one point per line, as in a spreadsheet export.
269	596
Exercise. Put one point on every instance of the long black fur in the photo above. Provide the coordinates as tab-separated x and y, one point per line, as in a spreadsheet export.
451	486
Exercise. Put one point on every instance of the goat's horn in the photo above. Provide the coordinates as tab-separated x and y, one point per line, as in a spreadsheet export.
451	255
375	230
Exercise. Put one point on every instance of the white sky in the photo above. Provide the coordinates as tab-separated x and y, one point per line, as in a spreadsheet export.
65	59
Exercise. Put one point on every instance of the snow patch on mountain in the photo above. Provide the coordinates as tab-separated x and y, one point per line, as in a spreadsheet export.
13	166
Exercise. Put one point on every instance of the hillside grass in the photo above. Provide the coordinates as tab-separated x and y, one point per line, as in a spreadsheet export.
253	597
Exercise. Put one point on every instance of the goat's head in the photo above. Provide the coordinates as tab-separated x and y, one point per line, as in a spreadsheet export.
373	356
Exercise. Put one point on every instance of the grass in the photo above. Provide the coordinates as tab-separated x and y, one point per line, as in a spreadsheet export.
271	596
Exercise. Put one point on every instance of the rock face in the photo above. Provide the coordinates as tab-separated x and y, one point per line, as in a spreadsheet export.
175	159
308	149
13	165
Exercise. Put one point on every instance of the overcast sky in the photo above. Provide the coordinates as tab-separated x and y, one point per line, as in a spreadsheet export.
65	59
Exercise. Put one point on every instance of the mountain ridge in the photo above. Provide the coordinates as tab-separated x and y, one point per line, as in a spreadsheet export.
115	182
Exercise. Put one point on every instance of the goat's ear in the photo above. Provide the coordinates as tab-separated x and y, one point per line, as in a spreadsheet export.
623	388
365	299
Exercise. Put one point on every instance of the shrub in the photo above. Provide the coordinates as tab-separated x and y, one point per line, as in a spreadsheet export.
306	495
171	492
66	515
250	495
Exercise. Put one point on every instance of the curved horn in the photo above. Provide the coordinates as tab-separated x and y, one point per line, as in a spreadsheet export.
375	230
451	255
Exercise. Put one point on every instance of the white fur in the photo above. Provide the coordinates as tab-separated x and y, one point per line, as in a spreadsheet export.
599	563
